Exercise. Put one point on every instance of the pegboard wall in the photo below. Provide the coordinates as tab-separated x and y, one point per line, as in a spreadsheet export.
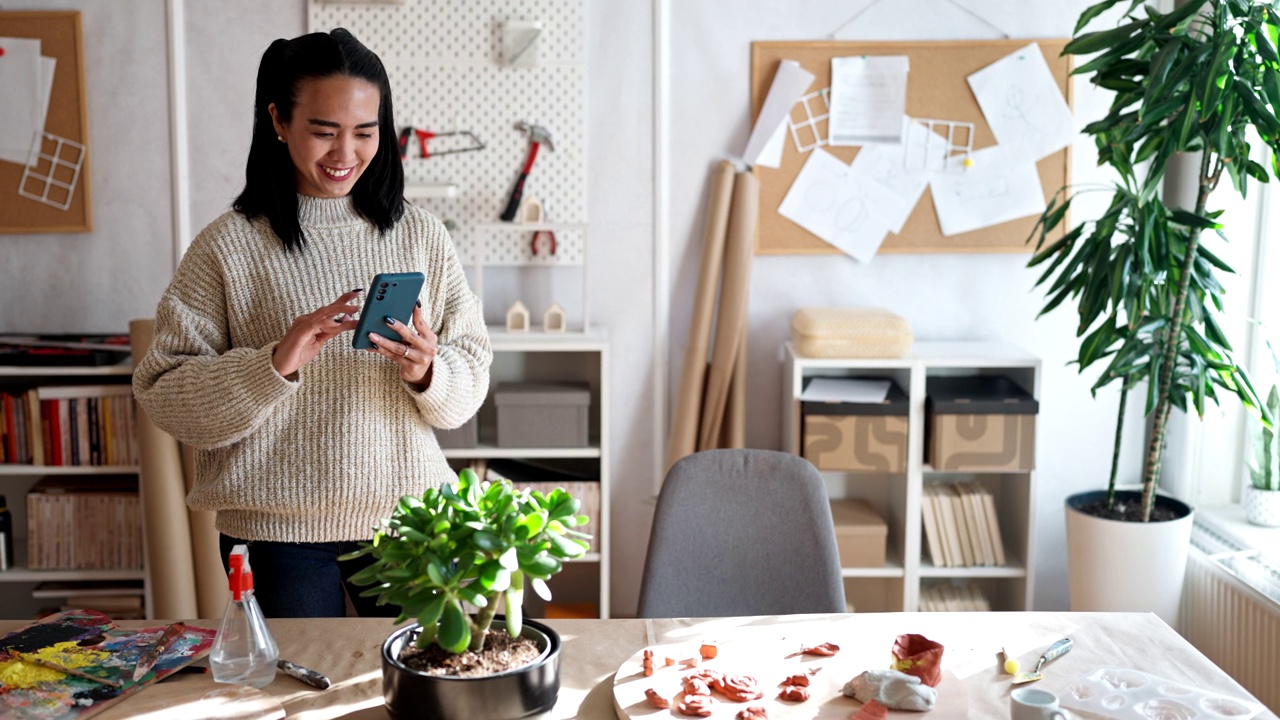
444	58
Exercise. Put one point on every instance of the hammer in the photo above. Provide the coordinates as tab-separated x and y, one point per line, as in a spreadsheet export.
538	135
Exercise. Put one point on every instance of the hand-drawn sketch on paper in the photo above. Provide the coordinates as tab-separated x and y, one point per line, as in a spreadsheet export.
1023	104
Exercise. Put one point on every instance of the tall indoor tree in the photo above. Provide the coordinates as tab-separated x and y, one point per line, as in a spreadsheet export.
1204	78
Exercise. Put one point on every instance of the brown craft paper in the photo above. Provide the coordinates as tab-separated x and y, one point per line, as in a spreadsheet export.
735	413
164	505
730	321
918	655
693	373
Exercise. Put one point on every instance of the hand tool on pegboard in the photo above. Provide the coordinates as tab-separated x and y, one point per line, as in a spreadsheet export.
426	135
538	136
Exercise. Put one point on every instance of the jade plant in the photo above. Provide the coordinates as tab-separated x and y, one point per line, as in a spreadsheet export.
1202	80
1265	470
475	542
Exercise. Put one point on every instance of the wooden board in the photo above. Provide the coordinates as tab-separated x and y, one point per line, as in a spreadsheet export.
937	90
60	38
770	654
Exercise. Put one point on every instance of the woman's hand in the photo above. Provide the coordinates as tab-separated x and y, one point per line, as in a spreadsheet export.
414	353
310	332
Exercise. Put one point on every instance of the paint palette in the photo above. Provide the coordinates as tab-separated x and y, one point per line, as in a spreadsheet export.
88	642
1127	694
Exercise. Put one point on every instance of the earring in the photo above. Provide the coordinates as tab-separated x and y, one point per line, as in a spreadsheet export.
280	138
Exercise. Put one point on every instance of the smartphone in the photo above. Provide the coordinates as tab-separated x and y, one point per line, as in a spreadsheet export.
390	294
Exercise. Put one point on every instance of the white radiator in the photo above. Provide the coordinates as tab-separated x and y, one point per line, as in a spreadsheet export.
1231	612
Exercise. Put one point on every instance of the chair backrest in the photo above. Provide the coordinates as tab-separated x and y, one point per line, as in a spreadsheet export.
741	532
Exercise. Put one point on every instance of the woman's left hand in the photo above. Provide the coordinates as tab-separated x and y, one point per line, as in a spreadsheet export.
414	353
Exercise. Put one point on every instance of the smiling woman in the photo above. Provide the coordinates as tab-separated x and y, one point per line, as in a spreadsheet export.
303	444
333	135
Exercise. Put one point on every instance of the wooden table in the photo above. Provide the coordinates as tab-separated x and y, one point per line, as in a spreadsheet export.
347	650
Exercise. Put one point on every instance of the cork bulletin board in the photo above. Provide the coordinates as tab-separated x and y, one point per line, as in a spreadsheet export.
936	89
59	163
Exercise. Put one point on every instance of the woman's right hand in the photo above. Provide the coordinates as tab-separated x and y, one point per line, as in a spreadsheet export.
310	332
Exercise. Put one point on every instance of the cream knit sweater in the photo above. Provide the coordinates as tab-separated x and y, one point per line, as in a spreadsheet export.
324	457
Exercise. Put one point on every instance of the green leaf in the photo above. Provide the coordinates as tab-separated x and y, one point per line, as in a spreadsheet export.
430	614
435	571
540	588
487	541
510	559
1092	12
454	634
1102	40
514	599
495	577
474	596
1190	219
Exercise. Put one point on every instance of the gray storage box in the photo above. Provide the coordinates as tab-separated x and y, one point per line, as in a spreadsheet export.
536	415
466	436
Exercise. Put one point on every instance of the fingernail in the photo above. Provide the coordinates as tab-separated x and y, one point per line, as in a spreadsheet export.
373	336
418	303
389	320
358	290
338	319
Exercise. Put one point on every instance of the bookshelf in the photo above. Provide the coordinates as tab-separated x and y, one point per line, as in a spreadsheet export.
25	589
535	356
909	578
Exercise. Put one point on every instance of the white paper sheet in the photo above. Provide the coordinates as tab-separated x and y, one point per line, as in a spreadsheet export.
868	99
899	186
1022	103
789	83
829	200
850	390
1002	184
20	87
48	66
771	153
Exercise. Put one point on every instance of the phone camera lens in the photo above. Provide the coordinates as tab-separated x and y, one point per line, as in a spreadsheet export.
383	285
380	297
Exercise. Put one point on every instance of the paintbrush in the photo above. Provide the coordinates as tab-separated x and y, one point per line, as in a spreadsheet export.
61	668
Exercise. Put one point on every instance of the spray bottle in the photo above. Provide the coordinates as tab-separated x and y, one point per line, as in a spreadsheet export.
244	652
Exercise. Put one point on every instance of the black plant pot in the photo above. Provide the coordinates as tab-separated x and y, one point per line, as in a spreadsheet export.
528	690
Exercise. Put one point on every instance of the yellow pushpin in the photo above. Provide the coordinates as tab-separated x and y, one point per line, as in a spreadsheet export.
968	162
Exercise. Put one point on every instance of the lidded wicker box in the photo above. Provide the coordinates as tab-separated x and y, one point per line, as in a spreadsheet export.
850	332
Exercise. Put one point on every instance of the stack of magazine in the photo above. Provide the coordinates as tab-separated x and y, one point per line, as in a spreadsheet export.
961	526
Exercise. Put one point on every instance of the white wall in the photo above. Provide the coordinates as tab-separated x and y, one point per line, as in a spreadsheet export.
118	271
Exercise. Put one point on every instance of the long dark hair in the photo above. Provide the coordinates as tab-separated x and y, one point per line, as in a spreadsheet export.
270	188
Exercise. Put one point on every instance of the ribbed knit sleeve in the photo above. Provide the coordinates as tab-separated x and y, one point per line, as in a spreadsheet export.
192	384
460	374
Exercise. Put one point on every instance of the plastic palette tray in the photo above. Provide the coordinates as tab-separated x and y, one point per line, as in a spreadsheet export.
1127	694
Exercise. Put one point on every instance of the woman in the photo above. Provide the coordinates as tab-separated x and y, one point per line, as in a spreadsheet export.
302	442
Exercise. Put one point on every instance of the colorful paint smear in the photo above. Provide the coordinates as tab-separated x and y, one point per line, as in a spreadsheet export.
90	642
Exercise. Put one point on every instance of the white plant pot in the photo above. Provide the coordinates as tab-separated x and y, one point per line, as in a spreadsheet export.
1262	507
1117	566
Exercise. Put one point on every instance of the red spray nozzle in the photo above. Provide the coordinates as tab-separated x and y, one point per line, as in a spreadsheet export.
240	579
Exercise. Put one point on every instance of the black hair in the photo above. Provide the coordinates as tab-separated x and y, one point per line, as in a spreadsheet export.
270	189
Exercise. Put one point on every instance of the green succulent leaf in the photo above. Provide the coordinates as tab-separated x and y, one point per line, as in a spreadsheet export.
454	634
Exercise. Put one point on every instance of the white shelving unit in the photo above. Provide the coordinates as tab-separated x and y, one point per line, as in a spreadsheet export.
17	583
898	497
558	357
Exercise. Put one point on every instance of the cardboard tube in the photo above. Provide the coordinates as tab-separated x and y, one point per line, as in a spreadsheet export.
164	505
732	315
683	438
735	412
211	579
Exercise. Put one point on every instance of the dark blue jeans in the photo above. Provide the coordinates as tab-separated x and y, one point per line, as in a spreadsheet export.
305	579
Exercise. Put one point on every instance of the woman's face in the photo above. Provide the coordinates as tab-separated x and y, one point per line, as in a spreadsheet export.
333	135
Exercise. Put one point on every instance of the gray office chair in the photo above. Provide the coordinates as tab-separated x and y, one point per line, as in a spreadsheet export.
741	532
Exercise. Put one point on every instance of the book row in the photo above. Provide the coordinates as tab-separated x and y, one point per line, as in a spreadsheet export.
949	597
73	425
76	523
961	526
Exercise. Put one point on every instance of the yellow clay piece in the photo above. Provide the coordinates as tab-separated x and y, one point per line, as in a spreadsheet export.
1012	666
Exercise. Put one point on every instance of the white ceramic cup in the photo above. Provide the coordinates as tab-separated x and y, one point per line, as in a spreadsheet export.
1034	704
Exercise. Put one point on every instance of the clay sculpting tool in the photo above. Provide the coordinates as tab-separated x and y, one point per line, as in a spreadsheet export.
306	675
149	659
63	669
1059	648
